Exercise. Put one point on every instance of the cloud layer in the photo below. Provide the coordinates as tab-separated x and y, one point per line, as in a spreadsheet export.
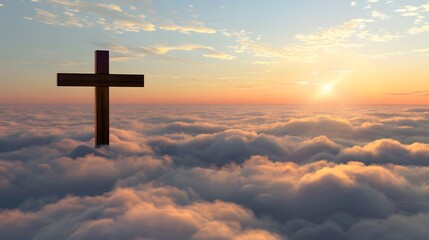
215	172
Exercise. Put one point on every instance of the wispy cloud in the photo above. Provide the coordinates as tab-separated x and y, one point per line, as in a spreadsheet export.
334	35
417	12
310	46
408	11
122	52
420	29
379	15
61	19
197	28
211	52
383	55
378	37
413	93
89	14
111	17
421	50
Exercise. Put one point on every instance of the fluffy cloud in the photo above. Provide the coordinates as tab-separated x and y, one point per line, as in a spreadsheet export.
219	172
395	227
145	213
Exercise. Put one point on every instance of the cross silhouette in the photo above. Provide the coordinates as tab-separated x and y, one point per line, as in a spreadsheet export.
101	80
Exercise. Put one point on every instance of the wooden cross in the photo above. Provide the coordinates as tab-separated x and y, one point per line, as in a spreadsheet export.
101	80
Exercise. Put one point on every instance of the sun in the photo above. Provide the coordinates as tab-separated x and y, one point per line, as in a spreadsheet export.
327	88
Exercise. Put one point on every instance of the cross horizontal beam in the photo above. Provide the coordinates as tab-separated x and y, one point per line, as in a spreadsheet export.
99	80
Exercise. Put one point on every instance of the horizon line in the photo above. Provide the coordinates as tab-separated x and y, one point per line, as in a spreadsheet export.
231	104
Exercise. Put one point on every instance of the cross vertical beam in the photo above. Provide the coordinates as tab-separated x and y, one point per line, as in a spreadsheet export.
101	101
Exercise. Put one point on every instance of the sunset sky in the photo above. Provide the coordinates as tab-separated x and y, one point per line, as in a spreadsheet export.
259	120
241	51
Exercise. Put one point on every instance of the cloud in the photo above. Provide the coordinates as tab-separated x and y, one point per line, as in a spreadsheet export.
420	29
408	11
62	19
416	93
219	55
383	55
344	128
109	16
218	172
188	128
388	151
421	110
311	46
418	13
265	187
379	15
147	213
335	34
87	14
395	227
187	29
131	25
211	52
161	50
425	7
378	37
97	7
122	52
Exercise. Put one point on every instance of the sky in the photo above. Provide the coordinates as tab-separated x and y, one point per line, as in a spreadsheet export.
337	155
215	172
226	52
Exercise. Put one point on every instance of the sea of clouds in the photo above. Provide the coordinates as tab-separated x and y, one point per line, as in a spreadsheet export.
215	172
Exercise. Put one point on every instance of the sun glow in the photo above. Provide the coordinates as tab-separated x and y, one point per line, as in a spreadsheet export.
327	88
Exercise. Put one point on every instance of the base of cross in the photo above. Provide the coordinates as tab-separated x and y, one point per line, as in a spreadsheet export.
101	80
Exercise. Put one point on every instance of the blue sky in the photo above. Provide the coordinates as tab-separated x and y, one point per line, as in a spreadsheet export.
250	49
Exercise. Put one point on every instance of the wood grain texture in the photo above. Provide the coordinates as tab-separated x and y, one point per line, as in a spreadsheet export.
102	119
99	80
